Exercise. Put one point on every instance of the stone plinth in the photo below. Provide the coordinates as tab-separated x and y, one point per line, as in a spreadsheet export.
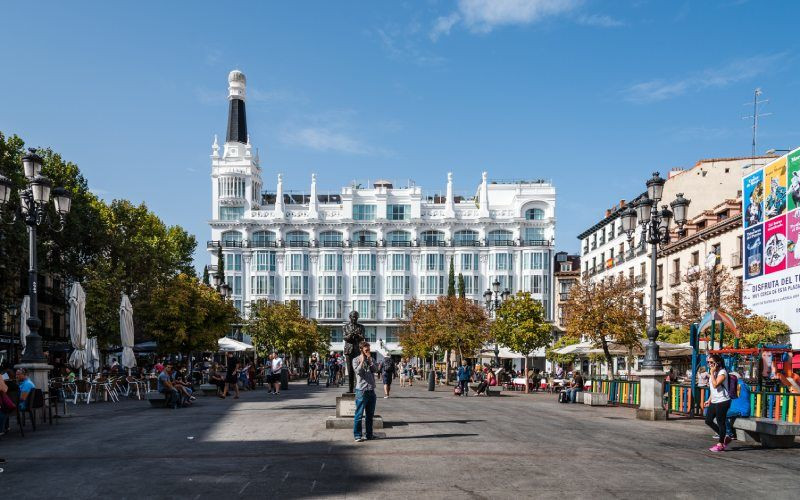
595	398
346	405
651	395
39	373
347	422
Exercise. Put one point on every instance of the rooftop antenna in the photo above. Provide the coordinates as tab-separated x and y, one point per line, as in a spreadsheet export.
755	116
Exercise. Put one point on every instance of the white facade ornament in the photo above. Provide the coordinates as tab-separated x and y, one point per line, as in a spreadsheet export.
312	200
483	198
279	198
449	204
215	148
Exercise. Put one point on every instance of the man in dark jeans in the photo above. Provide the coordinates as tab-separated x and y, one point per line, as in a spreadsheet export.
166	387
575	386
365	368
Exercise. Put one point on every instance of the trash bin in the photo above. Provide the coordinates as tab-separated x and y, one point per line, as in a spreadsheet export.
284	379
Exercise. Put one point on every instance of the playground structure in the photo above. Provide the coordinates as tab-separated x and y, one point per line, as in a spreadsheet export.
768	370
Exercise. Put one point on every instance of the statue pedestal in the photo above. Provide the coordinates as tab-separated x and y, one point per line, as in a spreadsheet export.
346	412
651	395
39	373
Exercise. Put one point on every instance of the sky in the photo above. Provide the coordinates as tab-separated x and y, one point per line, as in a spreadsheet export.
591	95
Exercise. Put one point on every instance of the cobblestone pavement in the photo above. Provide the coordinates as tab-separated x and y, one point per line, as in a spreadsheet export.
434	445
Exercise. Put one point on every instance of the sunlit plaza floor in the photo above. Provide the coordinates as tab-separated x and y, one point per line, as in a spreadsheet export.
435	445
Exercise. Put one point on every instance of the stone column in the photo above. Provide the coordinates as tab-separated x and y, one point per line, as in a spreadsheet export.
651	395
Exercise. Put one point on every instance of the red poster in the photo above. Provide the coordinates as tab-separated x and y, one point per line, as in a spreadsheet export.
775	245
792	235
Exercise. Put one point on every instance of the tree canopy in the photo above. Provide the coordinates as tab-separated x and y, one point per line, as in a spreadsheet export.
282	327
520	324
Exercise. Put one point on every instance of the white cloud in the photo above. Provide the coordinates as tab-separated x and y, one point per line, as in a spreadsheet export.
736	71
482	16
401	44
599	20
325	139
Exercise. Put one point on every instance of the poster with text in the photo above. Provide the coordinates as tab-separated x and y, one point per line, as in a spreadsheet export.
775	245
753	251
793	179
792	235
775	188
754	199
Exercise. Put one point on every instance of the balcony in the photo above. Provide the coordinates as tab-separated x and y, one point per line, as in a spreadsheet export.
398	243
535	243
262	244
331	244
619	259
640	280
736	260
601	240
563	296
594	245
364	243
629	254
466	243
674	279
434	243
660	283
225	244
586	249
500	243
297	244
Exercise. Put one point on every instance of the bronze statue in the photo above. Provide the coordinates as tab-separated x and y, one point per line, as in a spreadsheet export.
353	336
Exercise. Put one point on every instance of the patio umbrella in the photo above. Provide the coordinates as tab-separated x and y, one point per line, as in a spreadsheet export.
24	313
665	349
126	333
229	345
77	327
92	355
577	349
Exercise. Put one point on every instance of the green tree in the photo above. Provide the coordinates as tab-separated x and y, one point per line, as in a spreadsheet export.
670	334
206	277
462	289
451	280
520	325
187	316
282	327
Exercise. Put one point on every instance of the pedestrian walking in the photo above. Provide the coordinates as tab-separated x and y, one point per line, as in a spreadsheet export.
464	376
277	367
231	377
718	402
387	371
365	369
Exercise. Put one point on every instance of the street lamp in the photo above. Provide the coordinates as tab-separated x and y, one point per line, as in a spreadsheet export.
655	230
655	227
34	211
493	298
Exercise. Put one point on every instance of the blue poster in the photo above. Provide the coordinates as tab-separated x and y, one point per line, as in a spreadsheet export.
754	251
754	198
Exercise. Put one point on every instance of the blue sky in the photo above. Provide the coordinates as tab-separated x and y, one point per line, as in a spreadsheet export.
592	95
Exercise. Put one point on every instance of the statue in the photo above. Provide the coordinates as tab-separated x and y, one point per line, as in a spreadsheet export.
353	336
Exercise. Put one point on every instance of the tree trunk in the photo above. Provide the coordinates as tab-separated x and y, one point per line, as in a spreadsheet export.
525	372
447	368
604	343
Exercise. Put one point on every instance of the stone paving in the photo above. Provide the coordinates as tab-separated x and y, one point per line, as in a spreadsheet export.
435	446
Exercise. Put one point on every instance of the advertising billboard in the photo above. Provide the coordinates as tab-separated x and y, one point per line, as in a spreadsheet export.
771	229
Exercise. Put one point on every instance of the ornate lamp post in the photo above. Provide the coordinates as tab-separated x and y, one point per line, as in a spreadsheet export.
34	210
493	299
655	230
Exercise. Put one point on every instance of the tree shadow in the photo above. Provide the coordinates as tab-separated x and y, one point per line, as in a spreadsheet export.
403	423
432	436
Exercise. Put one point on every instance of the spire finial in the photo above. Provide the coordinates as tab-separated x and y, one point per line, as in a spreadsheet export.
215	147
237	118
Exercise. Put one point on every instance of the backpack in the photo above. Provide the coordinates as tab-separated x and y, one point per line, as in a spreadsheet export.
388	365
732	386
457	390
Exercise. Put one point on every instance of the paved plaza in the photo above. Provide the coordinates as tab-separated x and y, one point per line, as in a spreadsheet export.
434	445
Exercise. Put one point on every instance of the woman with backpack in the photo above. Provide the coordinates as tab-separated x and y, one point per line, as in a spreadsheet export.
718	402
464	375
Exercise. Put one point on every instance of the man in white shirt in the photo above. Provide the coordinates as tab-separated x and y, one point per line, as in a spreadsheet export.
277	367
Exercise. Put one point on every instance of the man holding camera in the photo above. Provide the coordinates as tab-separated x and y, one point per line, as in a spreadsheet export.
364	368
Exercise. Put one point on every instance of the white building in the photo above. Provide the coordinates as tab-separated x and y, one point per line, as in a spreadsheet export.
373	248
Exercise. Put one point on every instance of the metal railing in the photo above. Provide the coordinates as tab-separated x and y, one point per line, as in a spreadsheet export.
500	243
535	243
674	279
400	243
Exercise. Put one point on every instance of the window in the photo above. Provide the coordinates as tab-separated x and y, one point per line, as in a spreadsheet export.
331	262
364	262
431	285
695	258
471	284
231	213
398	285
534	284
399	262
432	238
231	239
329	285
262	239
500	237
264	261
566	266
398	212
466	237
262	285
506	282
366	310
398	238
393	334
336	334
233	262
330	239
434	261
295	285
717	251
534	214
363	285
296	262
235	282
468	262
231	187
395	309
365	238
534	234
371	332
329	309
501	262
297	238
535	260
363	212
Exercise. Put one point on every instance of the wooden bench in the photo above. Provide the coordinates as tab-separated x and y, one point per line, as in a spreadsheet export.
157	399
594	398
769	432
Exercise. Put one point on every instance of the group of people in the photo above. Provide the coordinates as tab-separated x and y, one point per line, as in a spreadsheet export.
24	386
236	375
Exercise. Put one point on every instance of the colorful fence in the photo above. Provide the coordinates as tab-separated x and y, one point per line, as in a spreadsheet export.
680	399
620	392
778	405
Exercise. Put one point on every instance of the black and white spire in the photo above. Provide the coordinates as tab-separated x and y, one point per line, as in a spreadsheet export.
237	118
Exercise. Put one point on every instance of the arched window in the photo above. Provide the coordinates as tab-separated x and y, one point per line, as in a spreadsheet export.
364	238
433	238
330	239
262	239
465	238
534	214
398	238
297	239
501	237
231	239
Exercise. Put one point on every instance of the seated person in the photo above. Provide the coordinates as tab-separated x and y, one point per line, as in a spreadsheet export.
183	384
26	386
166	387
217	378
575	386
740	406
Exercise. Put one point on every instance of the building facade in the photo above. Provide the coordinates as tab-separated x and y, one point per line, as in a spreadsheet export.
566	272
370	249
